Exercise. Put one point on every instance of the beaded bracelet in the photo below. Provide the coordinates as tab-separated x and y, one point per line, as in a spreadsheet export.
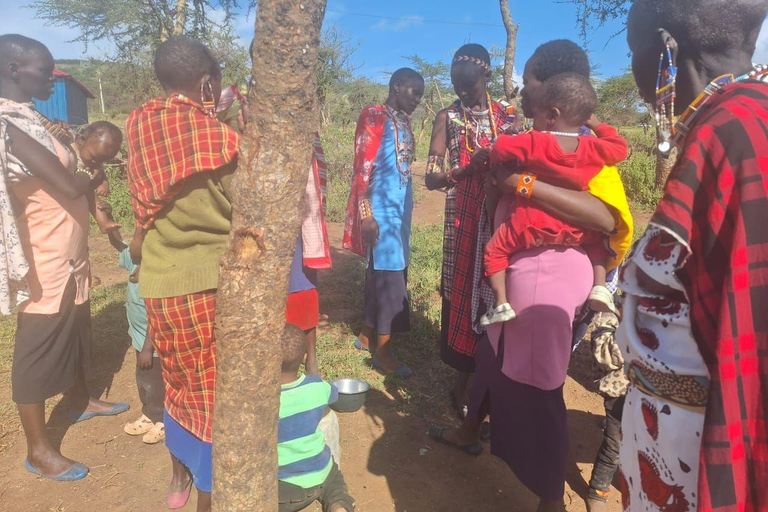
87	172
366	210
525	185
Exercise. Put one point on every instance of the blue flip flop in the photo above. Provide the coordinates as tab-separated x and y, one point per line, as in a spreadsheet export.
118	408
404	371
359	346
76	472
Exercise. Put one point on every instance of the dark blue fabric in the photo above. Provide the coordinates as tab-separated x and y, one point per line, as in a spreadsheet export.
194	453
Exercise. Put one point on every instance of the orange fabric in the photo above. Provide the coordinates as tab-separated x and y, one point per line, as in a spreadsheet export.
54	234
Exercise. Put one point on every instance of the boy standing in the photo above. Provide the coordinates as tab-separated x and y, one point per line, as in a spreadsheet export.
306	471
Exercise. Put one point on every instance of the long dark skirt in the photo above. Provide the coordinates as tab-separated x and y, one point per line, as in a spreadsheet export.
460	362
51	350
529	430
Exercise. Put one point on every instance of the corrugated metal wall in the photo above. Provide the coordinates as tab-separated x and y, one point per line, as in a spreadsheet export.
56	106
77	106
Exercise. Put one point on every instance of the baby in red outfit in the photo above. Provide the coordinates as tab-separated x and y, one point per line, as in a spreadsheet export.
555	153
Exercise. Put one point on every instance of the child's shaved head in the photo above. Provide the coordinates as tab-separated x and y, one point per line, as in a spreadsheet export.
294	348
180	63
571	93
100	128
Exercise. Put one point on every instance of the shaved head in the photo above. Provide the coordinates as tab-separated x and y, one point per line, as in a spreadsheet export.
18	48
180	63
707	26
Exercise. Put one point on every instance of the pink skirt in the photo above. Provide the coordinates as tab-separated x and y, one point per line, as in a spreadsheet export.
544	287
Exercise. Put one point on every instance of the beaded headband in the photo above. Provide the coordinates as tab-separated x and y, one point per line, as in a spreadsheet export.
467	58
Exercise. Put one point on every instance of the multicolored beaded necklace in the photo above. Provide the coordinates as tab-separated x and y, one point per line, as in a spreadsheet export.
759	72
476	124
404	150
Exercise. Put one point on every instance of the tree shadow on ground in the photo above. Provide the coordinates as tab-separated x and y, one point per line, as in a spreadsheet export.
110	343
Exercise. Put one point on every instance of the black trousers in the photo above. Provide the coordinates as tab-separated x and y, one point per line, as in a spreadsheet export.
151	390
607	461
333	491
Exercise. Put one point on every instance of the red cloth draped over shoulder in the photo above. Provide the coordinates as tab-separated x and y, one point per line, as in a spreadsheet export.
170	139
368	135
716	201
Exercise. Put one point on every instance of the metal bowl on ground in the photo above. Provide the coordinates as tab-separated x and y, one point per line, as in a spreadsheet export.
351	394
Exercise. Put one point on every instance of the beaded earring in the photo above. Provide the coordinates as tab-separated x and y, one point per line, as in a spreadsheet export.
666	94
206	96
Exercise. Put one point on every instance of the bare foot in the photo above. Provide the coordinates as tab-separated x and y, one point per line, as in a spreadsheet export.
96	405
551	506
181	479
49	462
595	505
460	436
386	361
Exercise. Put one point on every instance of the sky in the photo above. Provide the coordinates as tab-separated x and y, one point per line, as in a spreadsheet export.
392	30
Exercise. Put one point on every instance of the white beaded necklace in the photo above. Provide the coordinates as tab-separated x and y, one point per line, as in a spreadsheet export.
562	134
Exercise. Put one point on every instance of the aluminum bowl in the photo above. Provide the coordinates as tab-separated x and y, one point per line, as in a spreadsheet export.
351	394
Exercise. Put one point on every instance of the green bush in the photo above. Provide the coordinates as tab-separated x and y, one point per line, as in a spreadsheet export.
638	172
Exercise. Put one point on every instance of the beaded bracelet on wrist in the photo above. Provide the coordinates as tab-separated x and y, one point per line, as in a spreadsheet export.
87	172
365	209
525	185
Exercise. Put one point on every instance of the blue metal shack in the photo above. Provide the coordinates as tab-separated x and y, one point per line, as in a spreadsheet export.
69	101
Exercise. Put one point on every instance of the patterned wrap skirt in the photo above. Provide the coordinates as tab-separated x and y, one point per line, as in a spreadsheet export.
183	334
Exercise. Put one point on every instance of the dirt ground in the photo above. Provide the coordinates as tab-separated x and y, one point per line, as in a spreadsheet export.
387	460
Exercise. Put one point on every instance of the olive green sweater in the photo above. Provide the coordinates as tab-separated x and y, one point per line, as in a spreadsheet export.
181	251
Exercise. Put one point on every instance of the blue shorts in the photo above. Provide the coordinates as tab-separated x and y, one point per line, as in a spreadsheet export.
194	453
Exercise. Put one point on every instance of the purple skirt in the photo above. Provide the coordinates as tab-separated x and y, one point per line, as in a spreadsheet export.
521	367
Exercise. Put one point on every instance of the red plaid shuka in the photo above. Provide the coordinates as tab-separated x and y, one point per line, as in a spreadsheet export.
716	201
182	333
170	139
470	196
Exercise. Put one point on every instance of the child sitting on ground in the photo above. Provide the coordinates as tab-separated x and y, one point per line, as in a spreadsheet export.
554	152
306	472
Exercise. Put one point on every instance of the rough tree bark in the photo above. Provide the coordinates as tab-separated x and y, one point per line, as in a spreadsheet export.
509	58
267	193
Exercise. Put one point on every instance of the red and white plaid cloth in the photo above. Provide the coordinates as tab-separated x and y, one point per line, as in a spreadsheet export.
716	201
182	332
170	139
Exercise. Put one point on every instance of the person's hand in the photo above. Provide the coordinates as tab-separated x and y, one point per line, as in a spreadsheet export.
103	189
144	359
593	122
103	217
370	230
480	160
242	117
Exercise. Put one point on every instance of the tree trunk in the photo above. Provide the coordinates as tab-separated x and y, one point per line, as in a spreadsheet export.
509	58
267	193
181	18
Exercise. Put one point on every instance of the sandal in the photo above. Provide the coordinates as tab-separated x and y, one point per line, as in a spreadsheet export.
139	427
155	434
117	408
436	433
76	472
404	371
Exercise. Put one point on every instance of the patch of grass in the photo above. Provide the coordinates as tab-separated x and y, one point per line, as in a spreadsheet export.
421	395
